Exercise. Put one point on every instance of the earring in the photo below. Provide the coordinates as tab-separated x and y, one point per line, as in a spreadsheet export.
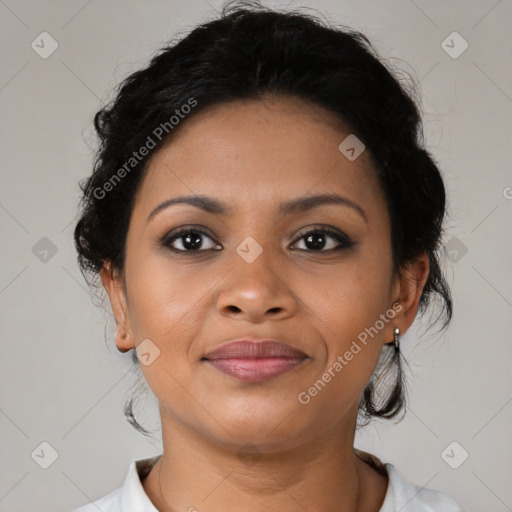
396	340
124	336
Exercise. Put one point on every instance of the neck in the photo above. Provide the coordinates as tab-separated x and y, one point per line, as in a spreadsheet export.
321	475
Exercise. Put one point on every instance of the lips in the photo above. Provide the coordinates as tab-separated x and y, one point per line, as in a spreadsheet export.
250	348
252	360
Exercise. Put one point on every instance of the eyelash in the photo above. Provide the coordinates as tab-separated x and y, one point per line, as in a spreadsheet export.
344	241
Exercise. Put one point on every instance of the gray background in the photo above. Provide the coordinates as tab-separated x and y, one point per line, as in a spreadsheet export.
63	385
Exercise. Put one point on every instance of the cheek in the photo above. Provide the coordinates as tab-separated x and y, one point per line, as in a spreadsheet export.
161	291
351	295
166	306
348	309
352	350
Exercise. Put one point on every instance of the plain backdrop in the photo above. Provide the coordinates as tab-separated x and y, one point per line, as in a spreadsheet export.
63	385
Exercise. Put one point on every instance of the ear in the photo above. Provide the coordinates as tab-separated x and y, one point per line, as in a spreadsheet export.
113	284
407	291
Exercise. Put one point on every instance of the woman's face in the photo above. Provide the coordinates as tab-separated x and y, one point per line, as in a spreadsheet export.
256	273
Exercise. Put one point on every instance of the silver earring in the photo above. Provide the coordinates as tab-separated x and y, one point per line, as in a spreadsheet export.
396	340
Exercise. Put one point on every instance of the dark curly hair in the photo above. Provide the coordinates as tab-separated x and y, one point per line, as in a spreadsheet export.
250	52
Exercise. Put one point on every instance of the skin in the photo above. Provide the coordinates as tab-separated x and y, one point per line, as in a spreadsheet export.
253	155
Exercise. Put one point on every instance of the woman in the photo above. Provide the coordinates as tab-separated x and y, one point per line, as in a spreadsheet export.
267	226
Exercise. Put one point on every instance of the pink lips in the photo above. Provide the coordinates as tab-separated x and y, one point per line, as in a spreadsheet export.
253	360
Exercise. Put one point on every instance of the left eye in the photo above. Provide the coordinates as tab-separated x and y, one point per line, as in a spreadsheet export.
317	239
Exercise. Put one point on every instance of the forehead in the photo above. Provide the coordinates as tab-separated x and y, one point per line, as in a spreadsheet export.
257	151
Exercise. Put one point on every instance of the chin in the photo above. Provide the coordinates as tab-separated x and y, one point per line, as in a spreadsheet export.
268	431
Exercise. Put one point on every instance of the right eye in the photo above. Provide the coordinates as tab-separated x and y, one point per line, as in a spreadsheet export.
189	240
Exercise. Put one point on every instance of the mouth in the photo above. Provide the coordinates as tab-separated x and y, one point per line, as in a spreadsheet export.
255	361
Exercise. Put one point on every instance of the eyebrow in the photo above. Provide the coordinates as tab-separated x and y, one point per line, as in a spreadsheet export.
298	205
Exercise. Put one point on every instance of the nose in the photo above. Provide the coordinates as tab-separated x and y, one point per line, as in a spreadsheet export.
256	291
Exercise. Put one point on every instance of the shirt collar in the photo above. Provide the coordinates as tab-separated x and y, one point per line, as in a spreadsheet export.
133	496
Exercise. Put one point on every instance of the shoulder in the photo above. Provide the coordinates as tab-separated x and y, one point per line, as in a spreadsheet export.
108	503
406	497
403	496
131	496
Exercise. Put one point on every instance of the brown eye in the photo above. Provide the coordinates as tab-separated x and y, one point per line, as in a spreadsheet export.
189	240
321	240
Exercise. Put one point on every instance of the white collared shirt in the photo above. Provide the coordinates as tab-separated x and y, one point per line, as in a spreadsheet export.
401	496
